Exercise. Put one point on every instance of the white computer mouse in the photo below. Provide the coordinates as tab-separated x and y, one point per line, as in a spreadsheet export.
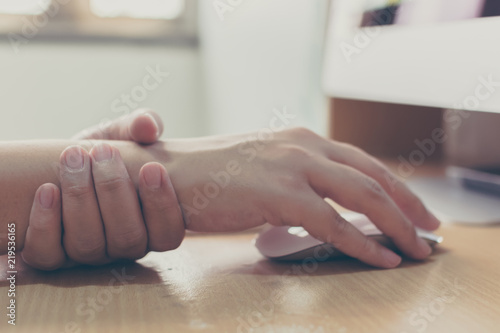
295	243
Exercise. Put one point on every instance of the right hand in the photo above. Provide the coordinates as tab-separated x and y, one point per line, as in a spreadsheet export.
232	183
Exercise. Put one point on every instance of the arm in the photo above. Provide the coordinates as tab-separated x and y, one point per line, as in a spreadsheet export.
104	223
231	183
25	166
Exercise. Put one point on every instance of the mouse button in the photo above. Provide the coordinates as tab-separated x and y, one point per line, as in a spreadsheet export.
280	241
432	239
319	253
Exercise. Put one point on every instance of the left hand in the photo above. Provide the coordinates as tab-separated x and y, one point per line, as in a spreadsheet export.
99	209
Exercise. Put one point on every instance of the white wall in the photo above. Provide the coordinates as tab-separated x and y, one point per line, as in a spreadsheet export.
264	54
52	90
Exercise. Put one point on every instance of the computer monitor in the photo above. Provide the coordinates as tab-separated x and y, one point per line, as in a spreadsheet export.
441	53
438	53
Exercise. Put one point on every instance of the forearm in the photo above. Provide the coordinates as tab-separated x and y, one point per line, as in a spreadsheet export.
26	165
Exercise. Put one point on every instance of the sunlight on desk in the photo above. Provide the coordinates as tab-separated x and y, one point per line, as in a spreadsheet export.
220	283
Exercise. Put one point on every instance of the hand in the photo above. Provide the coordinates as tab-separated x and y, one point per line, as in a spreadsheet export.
142	126
237	182
101	213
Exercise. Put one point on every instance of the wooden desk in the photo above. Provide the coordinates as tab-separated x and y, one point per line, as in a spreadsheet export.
220	283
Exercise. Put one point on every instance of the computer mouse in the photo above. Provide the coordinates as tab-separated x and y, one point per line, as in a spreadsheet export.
295	243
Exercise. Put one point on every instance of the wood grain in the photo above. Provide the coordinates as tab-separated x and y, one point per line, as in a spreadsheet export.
220	283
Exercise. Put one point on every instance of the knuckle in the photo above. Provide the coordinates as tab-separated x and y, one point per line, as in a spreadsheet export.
296	153
170	210
346	152
292	183
392	182
42	230
166	204
366	247
381	170
408	229
272	217
113	184
340	230
354	149
77	192
131	244
302	132
373	189
89	249
332	218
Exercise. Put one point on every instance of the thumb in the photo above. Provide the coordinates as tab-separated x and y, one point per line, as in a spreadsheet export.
142	126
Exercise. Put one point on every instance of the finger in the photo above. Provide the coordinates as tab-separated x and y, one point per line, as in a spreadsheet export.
161	210
407	201
145	127
84	238
323	222
126	234
142	126
43	248
356	191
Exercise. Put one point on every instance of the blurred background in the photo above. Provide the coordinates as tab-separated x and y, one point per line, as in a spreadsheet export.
207	67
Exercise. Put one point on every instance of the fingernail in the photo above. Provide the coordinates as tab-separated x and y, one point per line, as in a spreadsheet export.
46	197
152	176
392	258
73	158
154	122
102	152
424	246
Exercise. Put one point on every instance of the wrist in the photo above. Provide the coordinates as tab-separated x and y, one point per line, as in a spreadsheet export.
135	156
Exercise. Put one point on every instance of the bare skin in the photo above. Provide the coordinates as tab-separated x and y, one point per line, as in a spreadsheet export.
92	212
233	183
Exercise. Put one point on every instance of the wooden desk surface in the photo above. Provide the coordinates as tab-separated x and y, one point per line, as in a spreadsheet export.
220	283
